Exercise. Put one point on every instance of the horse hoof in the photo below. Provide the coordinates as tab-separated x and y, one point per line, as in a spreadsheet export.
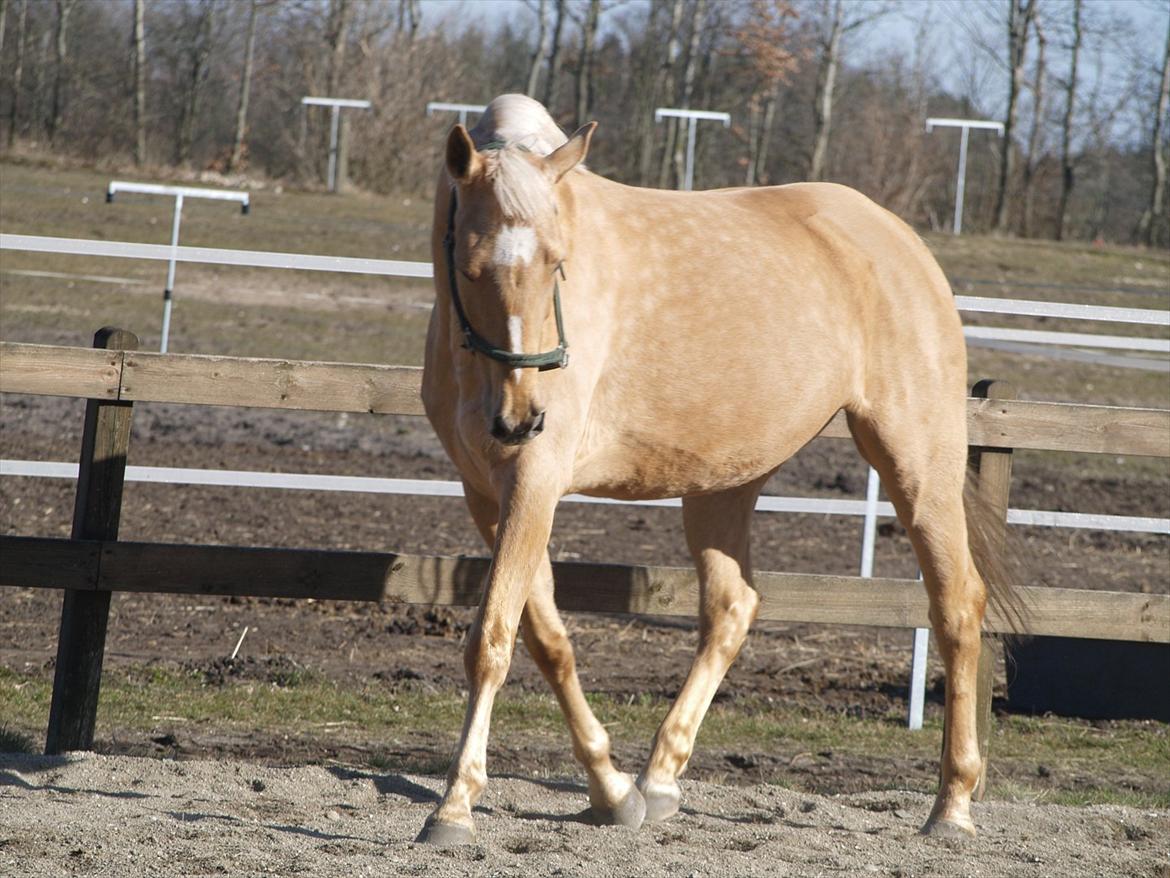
445	835
661	800
948	830
629	812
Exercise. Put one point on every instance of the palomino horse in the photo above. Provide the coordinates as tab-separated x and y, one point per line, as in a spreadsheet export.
712	335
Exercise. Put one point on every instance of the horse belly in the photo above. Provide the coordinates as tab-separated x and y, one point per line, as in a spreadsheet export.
694	456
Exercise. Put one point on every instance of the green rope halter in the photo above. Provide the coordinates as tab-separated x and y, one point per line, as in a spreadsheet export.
557	358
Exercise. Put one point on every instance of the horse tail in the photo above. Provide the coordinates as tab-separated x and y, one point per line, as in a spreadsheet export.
992	554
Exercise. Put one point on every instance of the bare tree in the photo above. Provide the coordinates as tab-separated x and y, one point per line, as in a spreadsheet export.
3	22
409	18
698	23
554	58
198	52
337	40
1070	97
1148	224
1020	15
1034	145
17	73
245	88
61	71
763	38
541	50
827	64
585	68
665	85
833	26
138	74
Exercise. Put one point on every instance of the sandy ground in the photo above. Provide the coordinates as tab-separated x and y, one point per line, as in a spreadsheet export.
125	816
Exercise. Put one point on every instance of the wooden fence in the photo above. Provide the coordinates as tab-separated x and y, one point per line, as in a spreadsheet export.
94	563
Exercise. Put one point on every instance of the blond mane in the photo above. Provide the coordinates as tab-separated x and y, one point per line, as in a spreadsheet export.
522	125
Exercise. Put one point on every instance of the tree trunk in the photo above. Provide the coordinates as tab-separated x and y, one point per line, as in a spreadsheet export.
1037	126
340	13
336	35
1020	14
200	49
826	84
698	19
1066	161
138	64
753	139
61	73
770	101
17	73
1147	229
41	84
666	75
245	88
3	23
585	70
554	59
541	50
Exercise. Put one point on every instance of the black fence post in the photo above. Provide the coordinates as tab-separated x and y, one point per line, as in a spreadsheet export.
994	483
81	643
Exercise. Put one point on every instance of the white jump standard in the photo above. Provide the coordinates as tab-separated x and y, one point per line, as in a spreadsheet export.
178	193
338	104
693	117
961	181
461	109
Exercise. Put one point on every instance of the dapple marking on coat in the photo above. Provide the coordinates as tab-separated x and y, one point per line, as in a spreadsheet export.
712	335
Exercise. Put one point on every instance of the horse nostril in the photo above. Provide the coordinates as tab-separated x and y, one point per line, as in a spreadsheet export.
508	435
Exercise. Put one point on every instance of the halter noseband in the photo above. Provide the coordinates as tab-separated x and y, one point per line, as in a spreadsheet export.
557	358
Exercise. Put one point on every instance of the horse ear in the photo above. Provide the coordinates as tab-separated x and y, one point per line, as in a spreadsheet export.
462	158
571	154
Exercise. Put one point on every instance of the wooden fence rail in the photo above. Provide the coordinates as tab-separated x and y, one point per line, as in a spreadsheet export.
140	376
94	564
43	562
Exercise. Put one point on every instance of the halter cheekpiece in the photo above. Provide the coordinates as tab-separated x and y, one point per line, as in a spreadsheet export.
557	358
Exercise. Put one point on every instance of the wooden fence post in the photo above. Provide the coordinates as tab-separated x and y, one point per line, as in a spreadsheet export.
81	642
994	466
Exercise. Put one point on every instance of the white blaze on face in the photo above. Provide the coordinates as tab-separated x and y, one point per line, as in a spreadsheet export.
516	341
515	245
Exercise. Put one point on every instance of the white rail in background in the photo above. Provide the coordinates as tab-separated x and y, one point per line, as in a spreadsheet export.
406	268
216	256
438	488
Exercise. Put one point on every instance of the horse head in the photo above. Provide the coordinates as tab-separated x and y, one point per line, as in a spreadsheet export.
504	248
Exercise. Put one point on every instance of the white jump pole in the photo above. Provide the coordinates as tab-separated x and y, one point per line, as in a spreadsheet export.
918	677
693	118
462	109
961	181
178	193
337	104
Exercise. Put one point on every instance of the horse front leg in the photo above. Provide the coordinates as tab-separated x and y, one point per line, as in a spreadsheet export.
521	540
612	793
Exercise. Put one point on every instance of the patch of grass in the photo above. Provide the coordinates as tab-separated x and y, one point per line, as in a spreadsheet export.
13	741
1033	758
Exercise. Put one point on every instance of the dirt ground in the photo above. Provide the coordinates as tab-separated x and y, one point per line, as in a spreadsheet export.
196	818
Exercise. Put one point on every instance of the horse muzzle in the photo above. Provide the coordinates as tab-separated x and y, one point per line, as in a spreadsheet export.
507	432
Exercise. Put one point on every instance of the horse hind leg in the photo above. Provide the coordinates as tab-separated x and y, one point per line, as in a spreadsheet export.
923	473
718	531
